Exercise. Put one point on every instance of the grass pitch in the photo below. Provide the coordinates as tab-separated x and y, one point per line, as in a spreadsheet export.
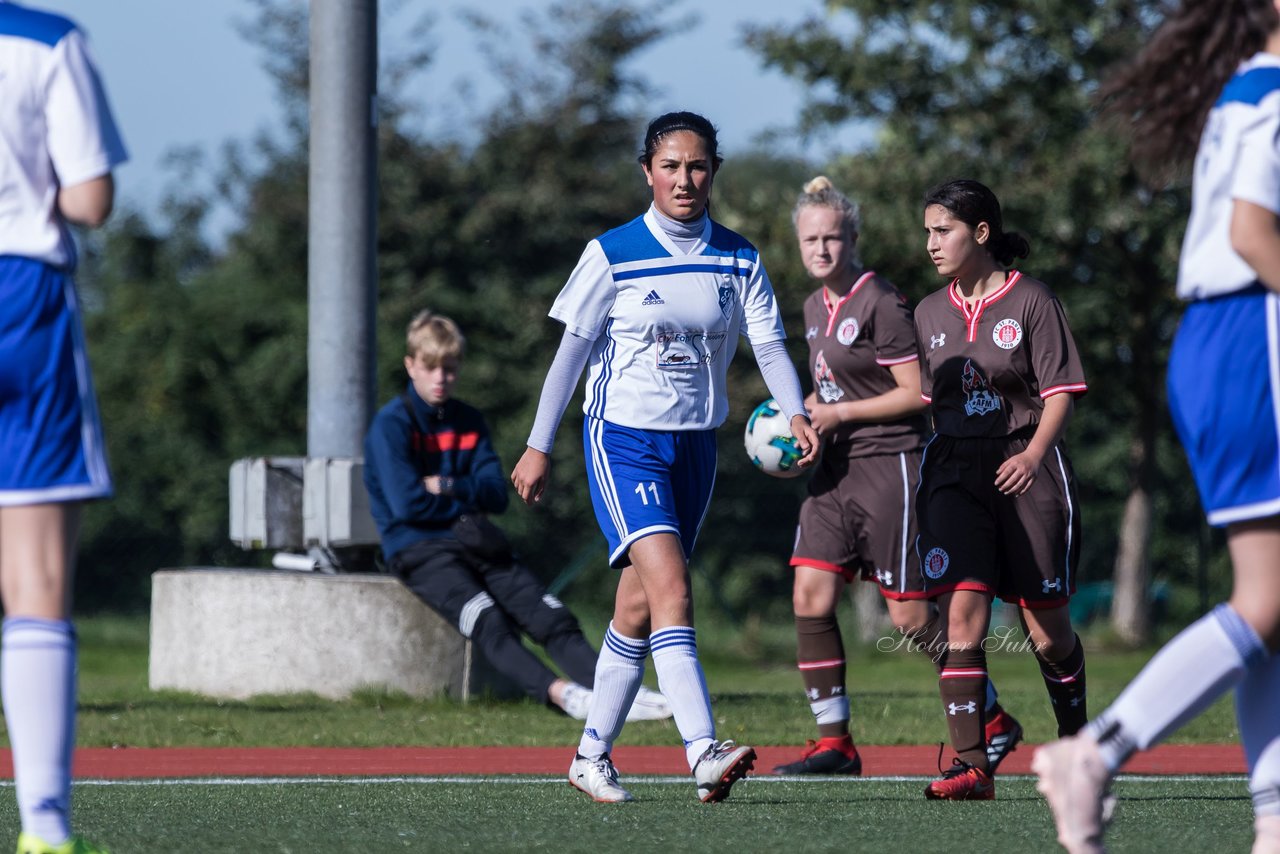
526	814
757	699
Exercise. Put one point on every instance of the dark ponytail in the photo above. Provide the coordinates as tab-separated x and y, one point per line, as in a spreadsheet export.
972	203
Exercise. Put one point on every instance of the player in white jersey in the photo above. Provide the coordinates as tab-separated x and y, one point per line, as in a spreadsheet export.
655	309
58	145
1209	77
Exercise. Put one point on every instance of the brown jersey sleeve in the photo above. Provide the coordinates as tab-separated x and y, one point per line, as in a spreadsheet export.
893	329
1054	357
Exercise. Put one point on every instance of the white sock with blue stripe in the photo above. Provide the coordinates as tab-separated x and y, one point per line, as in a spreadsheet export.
38	681
1257	699
619	672
675	658
1183	679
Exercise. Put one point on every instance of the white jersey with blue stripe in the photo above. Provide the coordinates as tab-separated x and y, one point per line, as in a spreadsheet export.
56	129
665	323
1239	158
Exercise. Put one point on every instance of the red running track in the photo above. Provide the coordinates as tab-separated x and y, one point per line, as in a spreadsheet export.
138	762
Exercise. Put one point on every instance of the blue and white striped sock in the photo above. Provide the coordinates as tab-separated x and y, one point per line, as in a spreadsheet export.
38	681
619	672
675	658
1184	678
1257	699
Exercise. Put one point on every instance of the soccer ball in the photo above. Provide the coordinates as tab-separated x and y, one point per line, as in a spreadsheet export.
769	442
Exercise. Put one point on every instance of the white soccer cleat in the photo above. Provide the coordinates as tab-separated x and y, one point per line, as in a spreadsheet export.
649	705
598	779
721	765
575	701
1074	780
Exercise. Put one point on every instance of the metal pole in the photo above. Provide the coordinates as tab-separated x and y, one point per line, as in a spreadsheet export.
341	276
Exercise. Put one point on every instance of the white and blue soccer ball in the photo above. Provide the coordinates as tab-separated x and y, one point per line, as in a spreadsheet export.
769	442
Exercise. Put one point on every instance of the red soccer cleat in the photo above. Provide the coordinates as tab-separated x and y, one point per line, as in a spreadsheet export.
835	755
963	782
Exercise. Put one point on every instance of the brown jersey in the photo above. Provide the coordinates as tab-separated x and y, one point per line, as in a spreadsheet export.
986	371
852	345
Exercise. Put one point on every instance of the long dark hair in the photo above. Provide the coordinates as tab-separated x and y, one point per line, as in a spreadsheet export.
1167	91
972	202
672	122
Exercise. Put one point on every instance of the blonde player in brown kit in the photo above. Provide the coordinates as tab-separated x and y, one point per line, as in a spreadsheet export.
997	505
858	519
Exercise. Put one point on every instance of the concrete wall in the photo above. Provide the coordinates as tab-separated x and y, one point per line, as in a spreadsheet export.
239	633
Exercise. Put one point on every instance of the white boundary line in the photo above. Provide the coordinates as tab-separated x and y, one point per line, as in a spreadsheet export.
534	780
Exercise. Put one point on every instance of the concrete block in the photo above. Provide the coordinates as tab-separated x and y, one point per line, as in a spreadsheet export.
240	633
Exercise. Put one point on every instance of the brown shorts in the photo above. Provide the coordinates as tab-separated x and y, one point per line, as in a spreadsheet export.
1024	550
857	519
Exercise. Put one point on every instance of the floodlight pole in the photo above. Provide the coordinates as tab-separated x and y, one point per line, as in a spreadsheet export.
341	255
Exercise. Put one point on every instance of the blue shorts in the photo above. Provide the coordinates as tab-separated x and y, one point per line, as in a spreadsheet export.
1224	393
51	446
648	482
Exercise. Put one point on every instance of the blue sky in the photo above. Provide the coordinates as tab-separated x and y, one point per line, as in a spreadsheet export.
178	73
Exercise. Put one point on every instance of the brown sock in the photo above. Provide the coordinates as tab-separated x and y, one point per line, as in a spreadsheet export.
928	640
962	683
820	657
1065	681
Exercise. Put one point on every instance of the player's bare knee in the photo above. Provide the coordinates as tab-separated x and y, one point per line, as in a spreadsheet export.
1263	616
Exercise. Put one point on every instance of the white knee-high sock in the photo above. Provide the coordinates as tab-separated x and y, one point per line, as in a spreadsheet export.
1257	702
675	658
1181	681
619	672
38	681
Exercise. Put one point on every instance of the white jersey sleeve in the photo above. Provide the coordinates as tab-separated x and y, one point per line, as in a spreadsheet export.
1238	159
586	300
763	322
1257	175
84	142
56	130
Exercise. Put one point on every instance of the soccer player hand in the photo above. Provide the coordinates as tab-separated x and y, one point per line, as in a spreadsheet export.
530	475
806	439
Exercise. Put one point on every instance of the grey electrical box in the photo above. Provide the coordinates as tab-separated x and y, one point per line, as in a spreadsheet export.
335	504
266	502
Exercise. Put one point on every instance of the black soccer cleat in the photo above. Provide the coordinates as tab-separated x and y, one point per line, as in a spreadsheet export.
826	756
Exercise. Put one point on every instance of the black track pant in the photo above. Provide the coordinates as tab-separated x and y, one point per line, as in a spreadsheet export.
493	605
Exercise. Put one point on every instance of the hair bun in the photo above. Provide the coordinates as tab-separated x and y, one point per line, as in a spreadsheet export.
818	184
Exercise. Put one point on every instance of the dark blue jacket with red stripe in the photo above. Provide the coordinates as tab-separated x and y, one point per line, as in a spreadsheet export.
451	440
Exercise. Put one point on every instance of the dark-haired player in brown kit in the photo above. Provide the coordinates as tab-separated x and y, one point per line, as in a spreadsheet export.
996	506
858	517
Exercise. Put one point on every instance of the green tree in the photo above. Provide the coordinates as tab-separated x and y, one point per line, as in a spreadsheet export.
1003	92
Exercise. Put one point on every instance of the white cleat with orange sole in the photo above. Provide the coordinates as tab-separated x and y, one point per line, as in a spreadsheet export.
721	765
598	779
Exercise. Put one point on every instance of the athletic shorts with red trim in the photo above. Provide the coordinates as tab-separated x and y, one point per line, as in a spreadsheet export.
858	520
1024	549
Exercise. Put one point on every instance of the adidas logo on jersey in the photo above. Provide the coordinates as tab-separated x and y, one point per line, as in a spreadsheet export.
652	298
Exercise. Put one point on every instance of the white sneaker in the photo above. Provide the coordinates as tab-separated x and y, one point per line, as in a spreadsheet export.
1074	780
598	778
649	705
575	701
723	764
